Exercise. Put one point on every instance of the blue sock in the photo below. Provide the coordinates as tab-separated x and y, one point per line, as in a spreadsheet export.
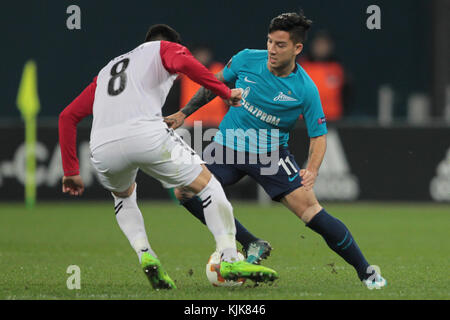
340	240
195	206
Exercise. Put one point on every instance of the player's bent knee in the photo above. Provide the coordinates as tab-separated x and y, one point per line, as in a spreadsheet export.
201	181
310	212
126	193
303	203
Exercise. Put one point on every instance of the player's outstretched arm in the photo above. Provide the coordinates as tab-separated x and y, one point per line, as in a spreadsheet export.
203	96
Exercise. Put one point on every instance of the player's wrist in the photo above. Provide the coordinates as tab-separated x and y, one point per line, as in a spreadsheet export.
313	171
227	94
185	112
71	173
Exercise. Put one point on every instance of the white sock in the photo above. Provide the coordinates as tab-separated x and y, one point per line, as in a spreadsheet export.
131	222
219	219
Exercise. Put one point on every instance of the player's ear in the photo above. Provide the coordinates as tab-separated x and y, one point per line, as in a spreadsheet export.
298	48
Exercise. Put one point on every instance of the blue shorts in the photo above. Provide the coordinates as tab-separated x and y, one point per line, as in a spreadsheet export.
229	166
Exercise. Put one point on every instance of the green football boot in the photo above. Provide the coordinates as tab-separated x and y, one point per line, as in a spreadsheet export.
257	251
244	269
158	277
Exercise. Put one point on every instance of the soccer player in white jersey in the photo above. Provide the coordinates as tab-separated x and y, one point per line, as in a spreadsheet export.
128	133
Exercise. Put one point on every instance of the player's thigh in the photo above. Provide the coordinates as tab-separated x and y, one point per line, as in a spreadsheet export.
302	202
172	162
278	174
225	171
112	168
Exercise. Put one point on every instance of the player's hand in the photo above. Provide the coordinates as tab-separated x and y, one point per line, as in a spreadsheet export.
73	185
175	120
235	99
308	178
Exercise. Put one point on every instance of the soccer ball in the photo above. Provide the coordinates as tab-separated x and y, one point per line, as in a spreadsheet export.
213	272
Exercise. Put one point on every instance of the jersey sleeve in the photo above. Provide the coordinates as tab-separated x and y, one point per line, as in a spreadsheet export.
177	59
231	70
78	109
313	113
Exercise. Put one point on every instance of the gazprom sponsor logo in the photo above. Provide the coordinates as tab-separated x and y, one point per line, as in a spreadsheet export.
259	114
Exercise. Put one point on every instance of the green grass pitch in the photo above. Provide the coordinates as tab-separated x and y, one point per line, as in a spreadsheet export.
409	242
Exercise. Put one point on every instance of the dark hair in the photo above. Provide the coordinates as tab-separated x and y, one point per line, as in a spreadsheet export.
162	32
295	23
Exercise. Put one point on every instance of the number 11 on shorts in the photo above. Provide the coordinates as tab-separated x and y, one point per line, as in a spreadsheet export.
284	162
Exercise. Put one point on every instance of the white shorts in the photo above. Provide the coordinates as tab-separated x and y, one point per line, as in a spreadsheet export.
162	155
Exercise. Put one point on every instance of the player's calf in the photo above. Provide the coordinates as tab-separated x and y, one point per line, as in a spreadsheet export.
131	222
218	213
340	240
256	249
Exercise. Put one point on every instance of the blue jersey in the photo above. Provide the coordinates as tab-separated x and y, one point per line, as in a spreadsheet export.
270	107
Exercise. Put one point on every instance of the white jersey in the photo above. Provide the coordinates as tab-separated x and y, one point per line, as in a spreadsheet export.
131	91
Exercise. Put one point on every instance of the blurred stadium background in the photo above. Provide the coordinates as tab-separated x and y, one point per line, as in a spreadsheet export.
389	141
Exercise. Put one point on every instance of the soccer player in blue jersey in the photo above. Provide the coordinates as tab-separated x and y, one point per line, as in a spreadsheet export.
276	91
